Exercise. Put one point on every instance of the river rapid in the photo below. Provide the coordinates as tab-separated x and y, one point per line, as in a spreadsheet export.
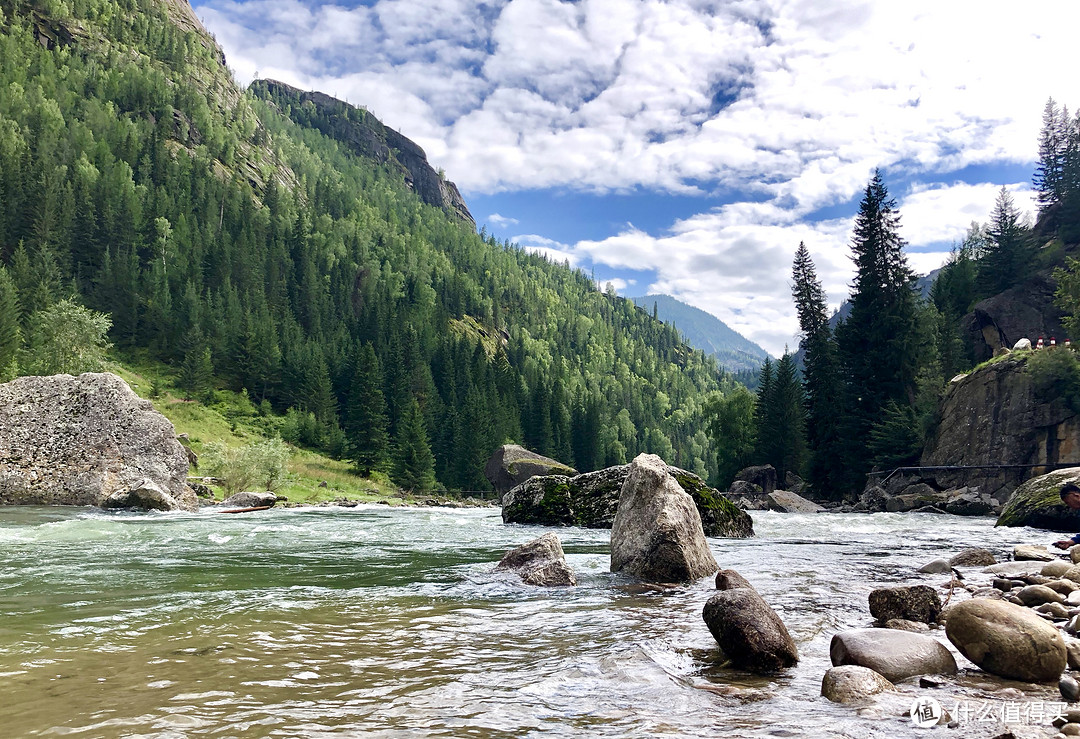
379	621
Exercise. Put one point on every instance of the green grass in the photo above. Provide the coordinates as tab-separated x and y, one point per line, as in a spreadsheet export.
234	420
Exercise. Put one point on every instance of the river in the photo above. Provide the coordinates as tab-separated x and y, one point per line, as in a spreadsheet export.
378	621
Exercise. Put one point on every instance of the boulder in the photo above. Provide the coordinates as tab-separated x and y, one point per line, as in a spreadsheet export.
1022	345
540	562
1006	640
1017	569
250	500
892	653
657	534
79	440
901	624
968	501
1032	553
512	465
1034	595
853	684
973	557
742	487
794	483
912	603
730	579
936	567
749	632
873	499
763	475
788	502
591	499
1037	503
1056	568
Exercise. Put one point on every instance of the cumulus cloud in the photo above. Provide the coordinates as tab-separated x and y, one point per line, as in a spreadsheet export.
502	221
553	250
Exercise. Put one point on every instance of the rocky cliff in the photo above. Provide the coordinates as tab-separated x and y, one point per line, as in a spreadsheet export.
1025	311
994	417
367	137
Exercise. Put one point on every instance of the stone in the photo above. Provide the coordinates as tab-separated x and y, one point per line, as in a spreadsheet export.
730	579
853	684
512	465
873	499
742	487
1056	568
1056	611
1014	569
1024	552
1034	595
794	483
657	534
1069	689
1072	654
749	632
973	557
86	440
894	654
1022	345
540	562
1073	598
968	501
764	476
902	624
1006	640
250	500
1070	729
1074	554
1062	586
1037	503
786	501
590	500
1073	573
936	567
912	603
914	496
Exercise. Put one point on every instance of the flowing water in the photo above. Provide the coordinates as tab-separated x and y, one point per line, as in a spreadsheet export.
374	621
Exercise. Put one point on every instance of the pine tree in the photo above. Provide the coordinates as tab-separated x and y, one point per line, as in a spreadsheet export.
365	414
197	369
1007	258
414	468
1048	173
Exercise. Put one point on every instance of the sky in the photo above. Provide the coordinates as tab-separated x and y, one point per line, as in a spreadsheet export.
686	147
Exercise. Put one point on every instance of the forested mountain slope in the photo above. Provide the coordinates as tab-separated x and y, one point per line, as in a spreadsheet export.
244	234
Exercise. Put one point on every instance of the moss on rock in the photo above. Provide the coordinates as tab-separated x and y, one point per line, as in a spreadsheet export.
1037	503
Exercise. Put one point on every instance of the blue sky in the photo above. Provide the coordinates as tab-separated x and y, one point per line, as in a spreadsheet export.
687	146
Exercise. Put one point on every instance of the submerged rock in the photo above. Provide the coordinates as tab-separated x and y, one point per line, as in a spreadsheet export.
749	632
892	653
853	684
88	440
591	500
1006	640
657	534
540	562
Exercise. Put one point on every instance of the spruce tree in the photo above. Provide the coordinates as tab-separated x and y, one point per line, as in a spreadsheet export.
197	369
414	468
1007	257
365	414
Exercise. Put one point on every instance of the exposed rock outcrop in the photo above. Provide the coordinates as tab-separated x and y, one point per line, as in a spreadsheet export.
1038	503
1006	640
86	440
591	500
540	562
1025	311
657	534
512	465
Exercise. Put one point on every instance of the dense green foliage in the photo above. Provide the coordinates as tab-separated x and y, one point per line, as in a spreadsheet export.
731	425
220	230
779	418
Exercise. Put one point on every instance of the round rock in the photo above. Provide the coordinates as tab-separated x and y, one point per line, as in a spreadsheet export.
936	567
749	632
1006	640
914	603
1057	568
853	684
973	557
894	654
1035	595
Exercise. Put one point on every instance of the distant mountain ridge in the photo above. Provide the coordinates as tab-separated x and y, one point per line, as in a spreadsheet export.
733	351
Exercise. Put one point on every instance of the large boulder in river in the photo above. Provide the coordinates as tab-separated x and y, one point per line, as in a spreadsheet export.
591	499
911	603
762	475
250	500
540	562
1038	503
657	534
892	653
1007	640
786	501
748	631
512	465
86	440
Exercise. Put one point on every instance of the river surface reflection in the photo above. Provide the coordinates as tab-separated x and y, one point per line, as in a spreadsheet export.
374	621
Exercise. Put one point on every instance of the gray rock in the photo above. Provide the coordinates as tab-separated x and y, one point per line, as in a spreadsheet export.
657	534
1037	503
936	567
853	684
1056	611
591	500
1073	598
912	603
249	499
742	487
1072	653
1070	691
78	440
540	562
144	495
1013	569
512	465
794	483
873	499
1034	595
894	654
1025	552
902	624
764	476
973	557
1006	640
967	501
915	496
749	632
785	501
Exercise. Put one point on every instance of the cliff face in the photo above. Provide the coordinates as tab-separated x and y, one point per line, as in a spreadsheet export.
1025	311
367	137
992	417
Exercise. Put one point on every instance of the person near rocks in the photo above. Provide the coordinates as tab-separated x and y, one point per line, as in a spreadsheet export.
1070	496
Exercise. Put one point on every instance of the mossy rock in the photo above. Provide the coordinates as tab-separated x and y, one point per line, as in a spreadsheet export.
1037	503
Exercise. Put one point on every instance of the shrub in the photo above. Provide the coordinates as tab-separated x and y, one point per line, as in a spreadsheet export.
262	463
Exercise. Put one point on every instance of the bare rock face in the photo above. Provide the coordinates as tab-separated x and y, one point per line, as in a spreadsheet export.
786	501
540	562
512	465
88	440
1007	640
657	534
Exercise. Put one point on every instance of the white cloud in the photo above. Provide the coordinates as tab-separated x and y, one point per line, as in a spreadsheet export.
553	250
502	221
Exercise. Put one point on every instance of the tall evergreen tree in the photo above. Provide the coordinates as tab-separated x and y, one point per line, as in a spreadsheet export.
1007	258
878	341
365	414
414	468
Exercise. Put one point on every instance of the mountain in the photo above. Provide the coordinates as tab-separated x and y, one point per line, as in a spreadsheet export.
732	351
292	247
